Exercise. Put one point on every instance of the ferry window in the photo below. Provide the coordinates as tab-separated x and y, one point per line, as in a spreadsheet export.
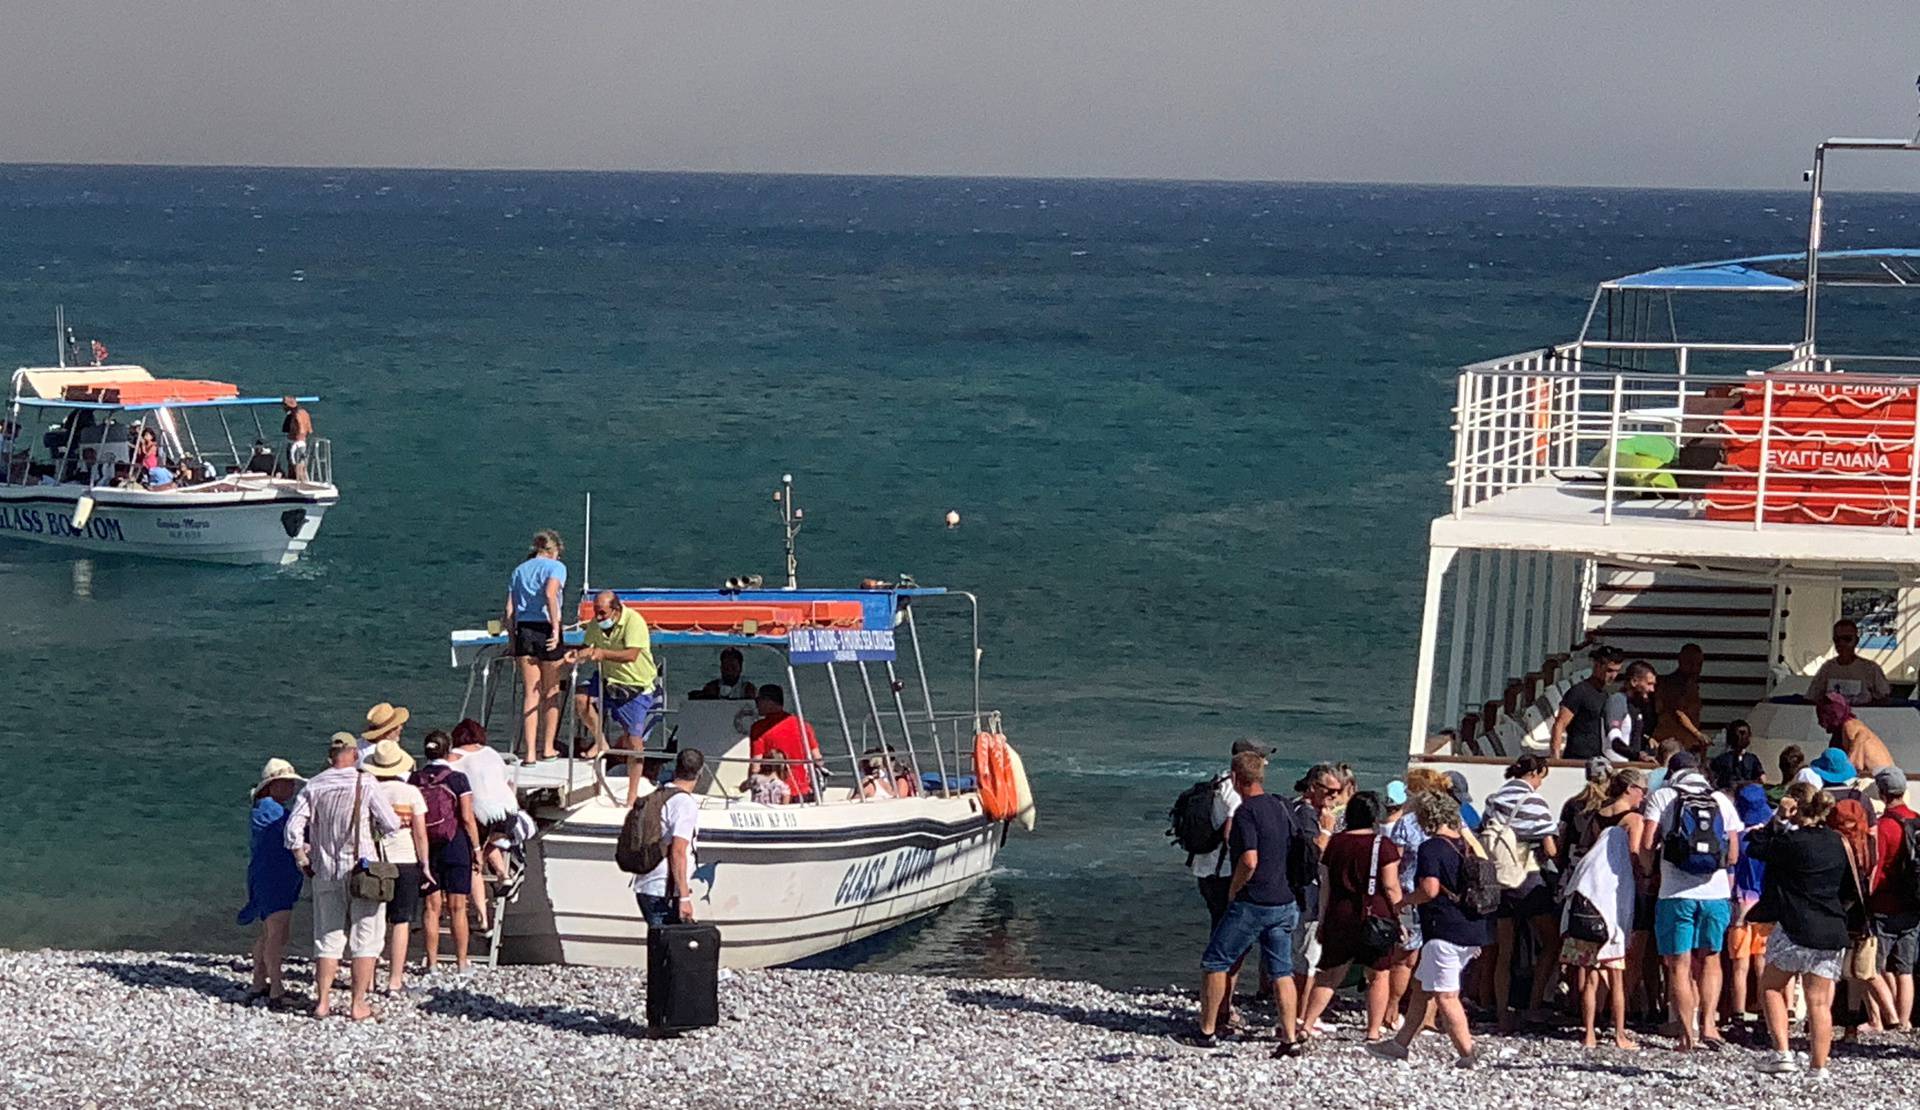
1877	611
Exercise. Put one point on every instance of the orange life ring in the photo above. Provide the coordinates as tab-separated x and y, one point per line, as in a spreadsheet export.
994	770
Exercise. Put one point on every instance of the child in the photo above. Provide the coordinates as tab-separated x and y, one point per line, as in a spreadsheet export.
1747	941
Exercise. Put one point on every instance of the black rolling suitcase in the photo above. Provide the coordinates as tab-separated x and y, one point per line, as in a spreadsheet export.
683	977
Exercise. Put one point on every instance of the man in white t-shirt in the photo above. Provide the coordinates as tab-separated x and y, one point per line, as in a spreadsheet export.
665	893
1691	916
1860	681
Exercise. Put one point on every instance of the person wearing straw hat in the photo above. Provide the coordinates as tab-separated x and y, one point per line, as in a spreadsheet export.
406	849
273	878
384	722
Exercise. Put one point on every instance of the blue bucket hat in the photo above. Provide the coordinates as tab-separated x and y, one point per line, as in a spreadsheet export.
1751	803
1396	793
1833	768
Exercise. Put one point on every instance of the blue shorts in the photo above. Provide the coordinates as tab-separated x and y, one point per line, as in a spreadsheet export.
634	709
1683	925
1245	923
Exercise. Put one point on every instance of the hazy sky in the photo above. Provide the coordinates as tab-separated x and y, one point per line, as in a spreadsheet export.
1678	92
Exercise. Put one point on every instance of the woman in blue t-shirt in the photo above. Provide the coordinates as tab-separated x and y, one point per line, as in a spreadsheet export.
533	621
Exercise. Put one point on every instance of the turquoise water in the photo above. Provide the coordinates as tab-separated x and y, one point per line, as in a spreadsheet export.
1195	431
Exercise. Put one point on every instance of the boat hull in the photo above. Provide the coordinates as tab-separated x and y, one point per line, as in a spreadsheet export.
269	521
781	882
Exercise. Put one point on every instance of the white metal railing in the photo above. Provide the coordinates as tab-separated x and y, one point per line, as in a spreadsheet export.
1798	439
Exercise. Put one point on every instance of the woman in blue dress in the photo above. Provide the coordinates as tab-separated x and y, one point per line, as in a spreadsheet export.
273	878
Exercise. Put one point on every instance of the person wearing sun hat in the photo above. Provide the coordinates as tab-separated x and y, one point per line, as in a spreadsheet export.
1836	774
406	849
273	878
384	722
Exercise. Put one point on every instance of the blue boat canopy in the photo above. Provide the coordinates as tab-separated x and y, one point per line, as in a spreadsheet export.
1780	273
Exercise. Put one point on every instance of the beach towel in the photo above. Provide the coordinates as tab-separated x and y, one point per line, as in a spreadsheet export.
1605	876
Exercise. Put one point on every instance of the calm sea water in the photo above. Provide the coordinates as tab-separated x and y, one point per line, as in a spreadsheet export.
1196	432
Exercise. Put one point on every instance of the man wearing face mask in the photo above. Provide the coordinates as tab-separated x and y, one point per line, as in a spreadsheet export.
617	639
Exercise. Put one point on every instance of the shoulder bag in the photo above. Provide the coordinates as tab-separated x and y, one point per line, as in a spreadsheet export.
371	881
1863	955
1378	935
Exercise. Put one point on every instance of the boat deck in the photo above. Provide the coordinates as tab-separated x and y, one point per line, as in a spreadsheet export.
1551	515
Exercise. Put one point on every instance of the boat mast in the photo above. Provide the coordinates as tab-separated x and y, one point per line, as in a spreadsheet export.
790	519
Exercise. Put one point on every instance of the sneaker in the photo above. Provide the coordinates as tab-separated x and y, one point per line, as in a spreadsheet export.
1469	1060
1816	1073
1388	1049
1780	1063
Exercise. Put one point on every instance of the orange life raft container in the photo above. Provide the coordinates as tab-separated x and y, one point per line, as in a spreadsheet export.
993	767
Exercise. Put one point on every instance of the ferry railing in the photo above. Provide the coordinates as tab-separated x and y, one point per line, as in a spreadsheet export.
1754	446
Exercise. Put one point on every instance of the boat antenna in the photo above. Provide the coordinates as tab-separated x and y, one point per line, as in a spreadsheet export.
60	334
586	551
790	518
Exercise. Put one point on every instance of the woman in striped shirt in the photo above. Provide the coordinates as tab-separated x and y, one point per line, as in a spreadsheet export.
1519	807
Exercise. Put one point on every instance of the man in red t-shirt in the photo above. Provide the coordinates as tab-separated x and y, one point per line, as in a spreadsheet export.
782	735
1895	905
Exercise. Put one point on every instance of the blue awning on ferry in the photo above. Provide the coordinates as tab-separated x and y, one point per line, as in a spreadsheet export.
1780	273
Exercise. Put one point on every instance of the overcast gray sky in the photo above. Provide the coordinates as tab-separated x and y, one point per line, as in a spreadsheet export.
1522	91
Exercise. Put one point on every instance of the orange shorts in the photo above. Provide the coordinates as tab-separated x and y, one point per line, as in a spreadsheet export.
1748	940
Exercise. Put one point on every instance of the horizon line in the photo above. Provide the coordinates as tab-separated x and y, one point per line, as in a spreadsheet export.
910	176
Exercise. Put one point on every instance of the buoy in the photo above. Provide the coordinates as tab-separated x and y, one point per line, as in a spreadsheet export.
953	518
1022	793
993	769
82	512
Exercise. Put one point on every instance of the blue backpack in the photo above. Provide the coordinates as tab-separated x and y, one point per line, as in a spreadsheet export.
1697	842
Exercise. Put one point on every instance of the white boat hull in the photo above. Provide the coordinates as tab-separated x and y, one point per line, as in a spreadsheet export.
781	882
259	520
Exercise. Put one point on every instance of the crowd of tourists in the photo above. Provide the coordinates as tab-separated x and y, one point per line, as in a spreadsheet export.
1695	900
387	842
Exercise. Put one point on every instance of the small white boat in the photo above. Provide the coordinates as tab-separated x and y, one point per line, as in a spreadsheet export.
782	882
237	495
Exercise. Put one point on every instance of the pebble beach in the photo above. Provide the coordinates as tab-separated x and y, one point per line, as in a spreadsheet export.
108	1029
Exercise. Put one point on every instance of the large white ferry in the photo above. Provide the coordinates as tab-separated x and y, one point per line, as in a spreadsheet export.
783	882
1647	489
234	492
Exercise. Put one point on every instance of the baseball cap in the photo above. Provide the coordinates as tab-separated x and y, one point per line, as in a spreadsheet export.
1892	781
1457	786
341	741
1681	761
1254	746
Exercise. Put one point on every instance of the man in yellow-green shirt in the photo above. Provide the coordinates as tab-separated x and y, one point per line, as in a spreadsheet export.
617	639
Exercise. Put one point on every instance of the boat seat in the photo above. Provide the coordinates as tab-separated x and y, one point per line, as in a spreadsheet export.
1510	735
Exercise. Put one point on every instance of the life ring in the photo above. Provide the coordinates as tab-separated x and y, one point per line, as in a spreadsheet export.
993	768
1022	793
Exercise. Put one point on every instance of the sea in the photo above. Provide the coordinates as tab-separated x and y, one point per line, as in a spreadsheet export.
1194	431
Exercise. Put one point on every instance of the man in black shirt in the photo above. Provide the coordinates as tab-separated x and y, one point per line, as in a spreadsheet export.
1577	727
1736	766
1261	908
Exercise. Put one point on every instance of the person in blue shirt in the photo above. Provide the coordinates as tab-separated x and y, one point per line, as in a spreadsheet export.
534	623
273	878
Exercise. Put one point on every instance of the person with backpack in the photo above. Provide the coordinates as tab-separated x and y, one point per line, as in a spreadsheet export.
1894	905
451	836
1814	898
1694	832
1519	831
1261	908
1597	924
1320	796
1199	821
657	844
1454	895
496	808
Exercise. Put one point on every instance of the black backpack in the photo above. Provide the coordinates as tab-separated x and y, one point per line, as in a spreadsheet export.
1479	892
642	843
1191	818
1910	846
